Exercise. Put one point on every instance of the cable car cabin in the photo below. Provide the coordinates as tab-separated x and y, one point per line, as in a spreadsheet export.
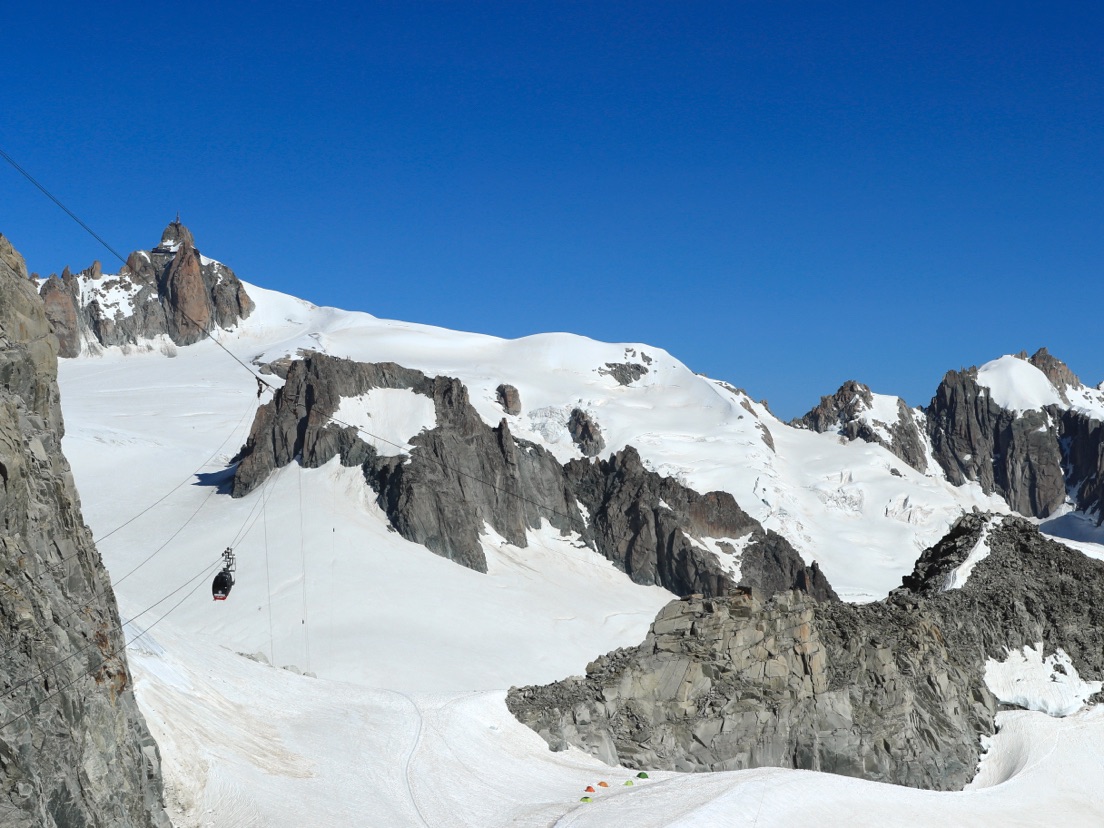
222	584
224	581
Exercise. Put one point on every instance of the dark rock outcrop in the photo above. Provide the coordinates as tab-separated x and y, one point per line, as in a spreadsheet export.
626	373
461	475
585	433
648	525
847	412
464	474
74	750
891	691
771	564
170	290
509	398
1015	454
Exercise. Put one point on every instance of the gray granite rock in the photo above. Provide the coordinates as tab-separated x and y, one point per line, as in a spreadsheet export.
890	691
650	526
74	749
1017	455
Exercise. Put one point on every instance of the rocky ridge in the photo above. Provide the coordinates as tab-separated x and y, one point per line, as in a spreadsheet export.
1038	460
171	290
851	412
891	691
463	474
74	749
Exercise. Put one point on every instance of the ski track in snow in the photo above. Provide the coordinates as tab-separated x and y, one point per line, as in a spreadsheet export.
410	756
246	744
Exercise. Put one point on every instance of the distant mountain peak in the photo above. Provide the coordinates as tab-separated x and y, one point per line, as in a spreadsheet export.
169	291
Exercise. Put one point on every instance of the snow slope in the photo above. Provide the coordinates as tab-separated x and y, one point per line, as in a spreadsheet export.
249	746
405	724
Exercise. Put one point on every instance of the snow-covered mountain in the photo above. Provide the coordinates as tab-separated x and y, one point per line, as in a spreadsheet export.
404	720
1025	428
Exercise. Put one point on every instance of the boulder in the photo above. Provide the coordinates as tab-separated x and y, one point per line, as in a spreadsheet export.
585	433
509	398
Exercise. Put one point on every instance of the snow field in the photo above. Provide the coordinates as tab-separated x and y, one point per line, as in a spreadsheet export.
392	415
406	723
1049	685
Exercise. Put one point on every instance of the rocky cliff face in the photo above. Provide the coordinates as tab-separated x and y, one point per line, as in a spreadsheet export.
170	290
650	526
464	474
1016	454
74	750
891	691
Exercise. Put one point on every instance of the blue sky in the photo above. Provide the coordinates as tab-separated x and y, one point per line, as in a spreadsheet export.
784	195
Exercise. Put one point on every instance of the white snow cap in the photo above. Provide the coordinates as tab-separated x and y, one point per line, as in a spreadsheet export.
1016	385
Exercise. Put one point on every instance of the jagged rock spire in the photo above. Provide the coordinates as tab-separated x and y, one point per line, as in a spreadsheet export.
176	234
169	290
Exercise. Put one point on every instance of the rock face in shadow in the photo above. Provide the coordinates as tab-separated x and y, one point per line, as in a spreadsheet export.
1082	442
1016	455
170	290
74	749
585	433
649	525
463	475
891	691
